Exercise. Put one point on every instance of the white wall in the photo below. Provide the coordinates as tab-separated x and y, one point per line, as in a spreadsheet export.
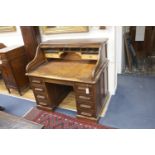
11	38
95	32
119	48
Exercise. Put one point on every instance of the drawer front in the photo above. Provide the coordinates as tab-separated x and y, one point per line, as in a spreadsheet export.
86	112
84	98
36	81
41	97
42	103
84	89
38	89
85	105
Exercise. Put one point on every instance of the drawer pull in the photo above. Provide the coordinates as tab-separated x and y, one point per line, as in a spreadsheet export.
85	106
38	89
86	114
86	90
36	81
42	103
40	96
81	88
84	97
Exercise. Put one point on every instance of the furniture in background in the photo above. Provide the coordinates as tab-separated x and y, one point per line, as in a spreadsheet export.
13	64
64	66
31	37
147	47
8	121
1	46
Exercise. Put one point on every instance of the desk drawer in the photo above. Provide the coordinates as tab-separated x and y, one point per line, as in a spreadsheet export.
42	103
84	98
39	88
85	105
86	89
41	97
87	112
36	81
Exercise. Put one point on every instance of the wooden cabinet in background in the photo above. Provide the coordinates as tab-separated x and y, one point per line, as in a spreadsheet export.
12	64
31	37
2	45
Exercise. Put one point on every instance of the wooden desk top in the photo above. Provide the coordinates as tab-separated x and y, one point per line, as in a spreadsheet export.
8	121
65	70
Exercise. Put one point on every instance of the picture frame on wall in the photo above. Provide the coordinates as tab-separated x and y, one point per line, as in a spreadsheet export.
102	27
7	28
64	29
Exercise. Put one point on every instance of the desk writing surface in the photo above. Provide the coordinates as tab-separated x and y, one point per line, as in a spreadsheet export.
65	70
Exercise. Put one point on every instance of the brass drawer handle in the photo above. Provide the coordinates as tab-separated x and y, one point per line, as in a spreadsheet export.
85	106
81	88
36	81
41	97
84	97
42	103
38	89
86	114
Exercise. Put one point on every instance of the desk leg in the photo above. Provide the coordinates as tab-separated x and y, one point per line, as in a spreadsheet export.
2	108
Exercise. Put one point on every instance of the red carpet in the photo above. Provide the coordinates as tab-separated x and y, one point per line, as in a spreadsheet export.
55	120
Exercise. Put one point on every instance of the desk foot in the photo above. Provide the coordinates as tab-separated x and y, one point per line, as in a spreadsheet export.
2	108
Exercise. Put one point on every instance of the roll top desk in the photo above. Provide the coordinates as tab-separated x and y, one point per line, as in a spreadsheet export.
80	66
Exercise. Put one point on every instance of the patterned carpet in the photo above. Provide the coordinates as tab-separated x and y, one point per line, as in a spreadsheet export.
55	120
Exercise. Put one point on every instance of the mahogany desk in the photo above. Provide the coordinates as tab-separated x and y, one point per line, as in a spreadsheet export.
71	65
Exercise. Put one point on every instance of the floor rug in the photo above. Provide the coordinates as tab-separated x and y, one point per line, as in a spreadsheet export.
55	120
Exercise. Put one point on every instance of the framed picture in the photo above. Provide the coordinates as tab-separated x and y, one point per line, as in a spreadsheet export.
102	27
7	28
63	29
